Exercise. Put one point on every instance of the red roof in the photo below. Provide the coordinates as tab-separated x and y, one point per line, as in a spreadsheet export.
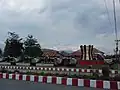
50	53
53	53
76	53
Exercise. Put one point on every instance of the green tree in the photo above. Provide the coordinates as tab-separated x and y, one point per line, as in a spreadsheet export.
13	45
0	52
32	47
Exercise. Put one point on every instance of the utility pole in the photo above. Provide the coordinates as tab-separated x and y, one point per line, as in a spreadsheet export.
117	42
115	23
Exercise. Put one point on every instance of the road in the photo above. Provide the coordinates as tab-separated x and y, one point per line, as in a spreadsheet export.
23	85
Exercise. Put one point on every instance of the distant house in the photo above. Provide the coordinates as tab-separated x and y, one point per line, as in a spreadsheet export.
50	53
76	53
95	50
65	54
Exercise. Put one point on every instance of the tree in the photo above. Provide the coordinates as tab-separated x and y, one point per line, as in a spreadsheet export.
0	52
32	47
13	45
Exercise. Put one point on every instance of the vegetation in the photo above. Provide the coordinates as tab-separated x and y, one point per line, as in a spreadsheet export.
32	47
13	45
17	47
0	52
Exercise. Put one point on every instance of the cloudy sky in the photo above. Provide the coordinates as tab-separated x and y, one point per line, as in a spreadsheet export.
61	24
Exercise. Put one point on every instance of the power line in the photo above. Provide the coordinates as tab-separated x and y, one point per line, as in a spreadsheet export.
115	20
107	12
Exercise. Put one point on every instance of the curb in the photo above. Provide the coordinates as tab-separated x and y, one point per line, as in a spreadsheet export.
113	85
59	69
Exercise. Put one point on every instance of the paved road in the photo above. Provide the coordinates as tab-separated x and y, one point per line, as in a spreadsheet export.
23	85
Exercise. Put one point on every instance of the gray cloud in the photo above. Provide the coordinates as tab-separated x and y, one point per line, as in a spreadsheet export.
59	22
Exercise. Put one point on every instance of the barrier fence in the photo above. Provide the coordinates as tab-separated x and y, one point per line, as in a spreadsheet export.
113	85
58	69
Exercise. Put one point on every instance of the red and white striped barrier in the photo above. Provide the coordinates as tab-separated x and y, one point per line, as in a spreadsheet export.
58	69
113	85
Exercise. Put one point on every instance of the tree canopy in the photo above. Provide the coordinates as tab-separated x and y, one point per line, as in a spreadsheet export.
0	52
13	45
32	47
17	47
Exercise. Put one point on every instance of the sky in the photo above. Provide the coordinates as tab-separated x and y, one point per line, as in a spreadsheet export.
61	24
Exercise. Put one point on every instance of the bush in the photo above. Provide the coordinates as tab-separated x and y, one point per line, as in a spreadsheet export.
36	73
104	78
29	73
57	74
117	77
42	73
62	75
96	74
73	76
32	64
13	63
3	70
48	74
90	66
16	71
88	77
105	71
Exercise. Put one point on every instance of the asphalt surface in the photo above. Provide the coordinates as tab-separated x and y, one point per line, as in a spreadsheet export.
24	85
